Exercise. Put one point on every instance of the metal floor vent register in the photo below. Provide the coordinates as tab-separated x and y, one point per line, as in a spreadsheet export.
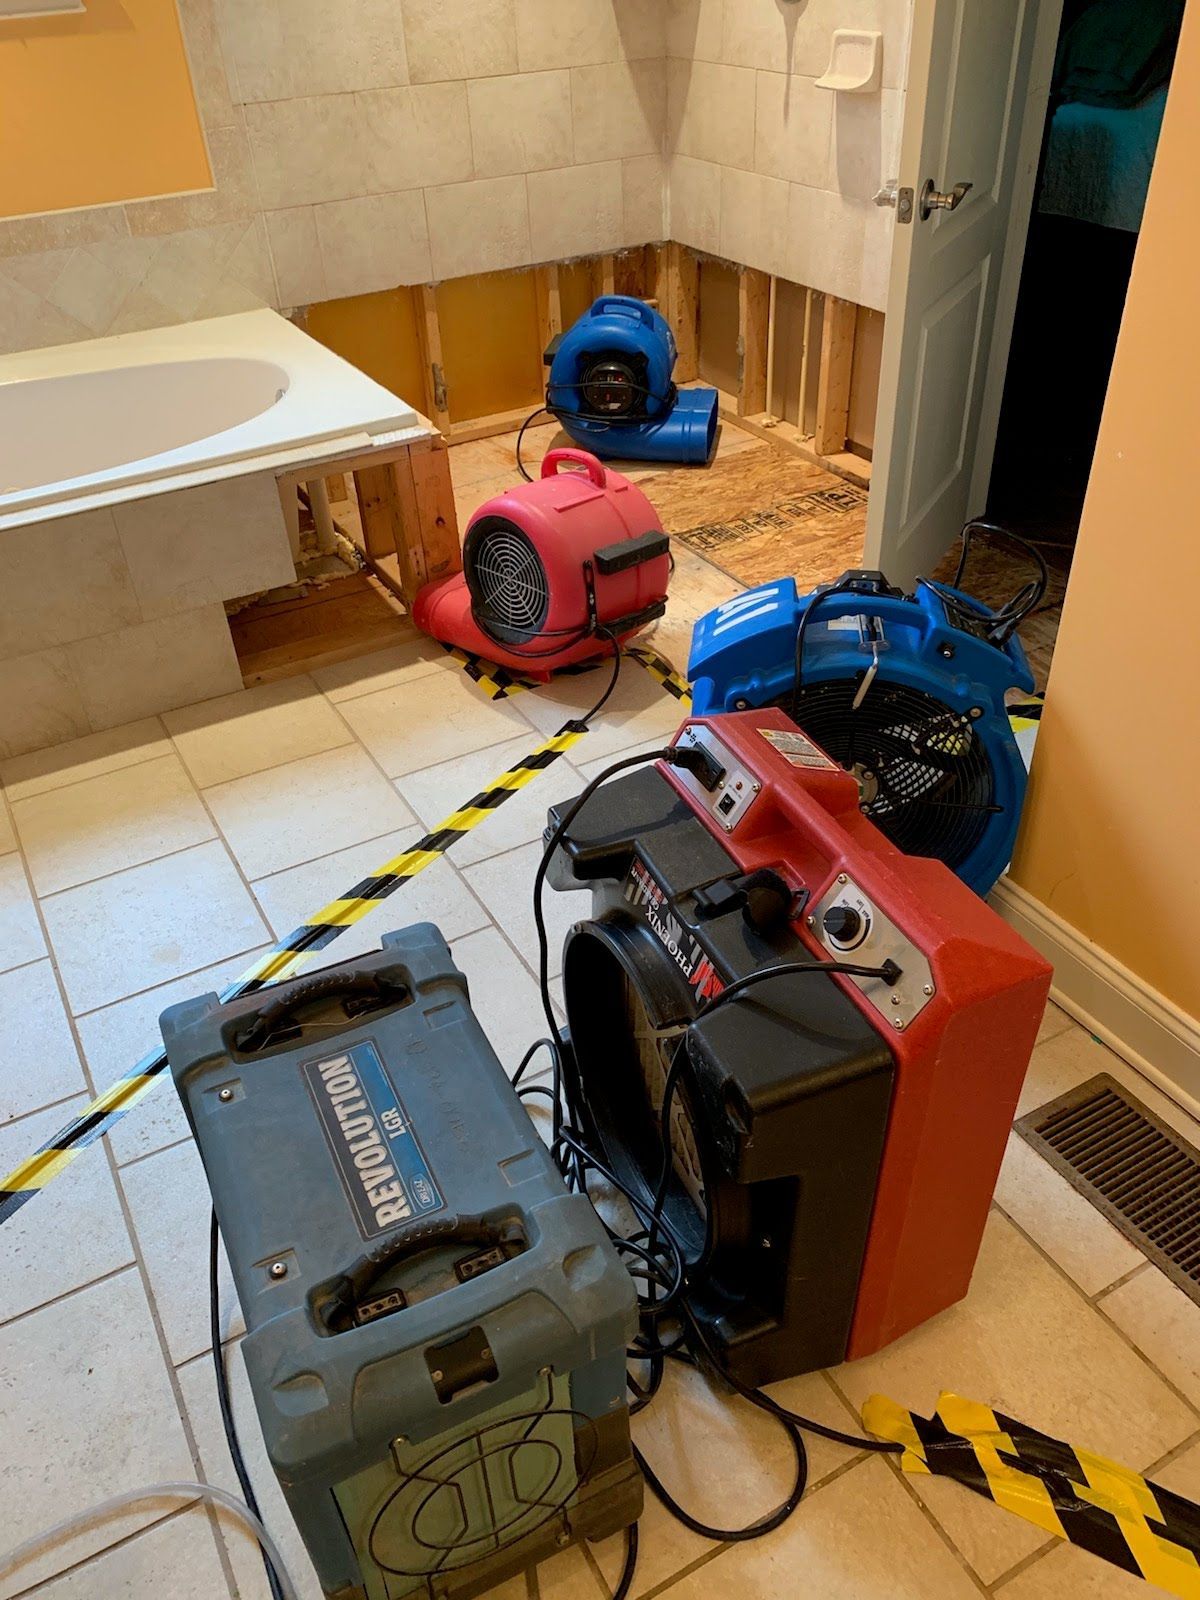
1139	1172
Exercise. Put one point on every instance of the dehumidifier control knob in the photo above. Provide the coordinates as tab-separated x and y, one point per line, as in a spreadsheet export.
844	925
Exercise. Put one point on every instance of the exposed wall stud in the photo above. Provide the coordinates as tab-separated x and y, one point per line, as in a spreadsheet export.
436	399
837	366
754	295
682	309
549	302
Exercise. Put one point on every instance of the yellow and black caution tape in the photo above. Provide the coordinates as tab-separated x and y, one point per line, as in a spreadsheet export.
498	683
43	1166
1083	1498
1024	714
661	670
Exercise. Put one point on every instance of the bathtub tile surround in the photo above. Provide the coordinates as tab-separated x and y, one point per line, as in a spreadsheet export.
361	144
128	600
743	102
196	546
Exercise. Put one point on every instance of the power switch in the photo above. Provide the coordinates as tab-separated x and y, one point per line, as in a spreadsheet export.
726	804
844	926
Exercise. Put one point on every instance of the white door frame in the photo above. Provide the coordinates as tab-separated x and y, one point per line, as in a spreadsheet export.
1047	16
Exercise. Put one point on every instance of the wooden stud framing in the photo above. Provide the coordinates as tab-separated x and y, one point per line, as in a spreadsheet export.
407	511
604	276
682	309
837	365
436	399
754	296
486	427
549	303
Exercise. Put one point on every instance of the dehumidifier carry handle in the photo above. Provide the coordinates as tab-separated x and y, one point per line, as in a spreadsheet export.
581	458
342	1297
623	305
326	986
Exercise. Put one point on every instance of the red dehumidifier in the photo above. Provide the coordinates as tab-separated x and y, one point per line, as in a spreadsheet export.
836	1139
553	570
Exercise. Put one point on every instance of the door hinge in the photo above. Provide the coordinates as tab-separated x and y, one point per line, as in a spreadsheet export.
439	386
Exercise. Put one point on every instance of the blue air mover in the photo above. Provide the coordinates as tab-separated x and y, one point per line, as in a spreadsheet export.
437	1329
610	387
907	692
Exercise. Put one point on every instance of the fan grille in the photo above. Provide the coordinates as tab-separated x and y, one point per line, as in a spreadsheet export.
510	593
924	774
610	388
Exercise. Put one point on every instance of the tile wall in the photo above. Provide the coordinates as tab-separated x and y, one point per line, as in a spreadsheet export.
764	167
359	144
110	615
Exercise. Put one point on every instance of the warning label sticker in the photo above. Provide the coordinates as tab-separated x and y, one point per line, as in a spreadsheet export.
797	748
382	1167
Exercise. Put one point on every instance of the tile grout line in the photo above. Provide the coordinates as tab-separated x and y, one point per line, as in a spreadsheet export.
1119	1283
185	1419
74	783
138	1262
1099	1310
41	1585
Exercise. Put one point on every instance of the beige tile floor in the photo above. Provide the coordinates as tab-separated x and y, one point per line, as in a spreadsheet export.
146	864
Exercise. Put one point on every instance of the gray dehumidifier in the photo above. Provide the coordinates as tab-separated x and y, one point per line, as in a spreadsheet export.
436	1327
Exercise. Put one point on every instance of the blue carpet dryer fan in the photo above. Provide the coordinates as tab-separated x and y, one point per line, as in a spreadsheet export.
610	387
906	691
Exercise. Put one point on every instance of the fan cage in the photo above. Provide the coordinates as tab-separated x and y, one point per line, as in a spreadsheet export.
610	388
925	777
507	581
521	1471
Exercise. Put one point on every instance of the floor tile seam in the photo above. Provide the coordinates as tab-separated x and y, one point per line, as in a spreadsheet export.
41	1585
69	1294
90	777
256	772
185	1420
1098	1309
133	866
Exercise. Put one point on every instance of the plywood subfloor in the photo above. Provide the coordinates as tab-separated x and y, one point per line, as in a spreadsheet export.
756	512
765	514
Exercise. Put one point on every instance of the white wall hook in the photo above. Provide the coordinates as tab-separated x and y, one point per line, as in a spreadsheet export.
855	62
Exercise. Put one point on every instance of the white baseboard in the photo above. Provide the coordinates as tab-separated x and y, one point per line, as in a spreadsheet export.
1120	1008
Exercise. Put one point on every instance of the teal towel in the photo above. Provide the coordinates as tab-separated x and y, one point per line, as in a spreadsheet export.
1118	52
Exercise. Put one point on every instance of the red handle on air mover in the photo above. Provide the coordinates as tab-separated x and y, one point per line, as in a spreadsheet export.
594	469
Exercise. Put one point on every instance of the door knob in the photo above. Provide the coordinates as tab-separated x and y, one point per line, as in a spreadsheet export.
932	198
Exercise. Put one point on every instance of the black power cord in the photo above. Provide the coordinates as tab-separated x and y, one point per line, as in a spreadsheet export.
656	1255
606	418
226	1404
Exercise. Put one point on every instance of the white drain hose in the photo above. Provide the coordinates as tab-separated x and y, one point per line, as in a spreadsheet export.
22	1553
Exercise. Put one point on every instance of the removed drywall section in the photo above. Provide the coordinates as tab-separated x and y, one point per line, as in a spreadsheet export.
379	334
864	382
490	338
719	325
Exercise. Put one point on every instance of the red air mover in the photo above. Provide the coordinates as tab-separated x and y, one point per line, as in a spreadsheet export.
548	564
836	1139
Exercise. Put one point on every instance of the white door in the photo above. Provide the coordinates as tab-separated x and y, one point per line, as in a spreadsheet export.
978	88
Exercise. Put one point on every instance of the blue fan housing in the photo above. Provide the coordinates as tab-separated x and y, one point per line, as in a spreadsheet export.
629	339
743	654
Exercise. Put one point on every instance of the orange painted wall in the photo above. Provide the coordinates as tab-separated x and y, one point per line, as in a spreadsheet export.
97	108
1111	834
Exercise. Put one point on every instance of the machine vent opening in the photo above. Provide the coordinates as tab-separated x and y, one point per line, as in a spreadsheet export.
924	774
1139	1172
510	593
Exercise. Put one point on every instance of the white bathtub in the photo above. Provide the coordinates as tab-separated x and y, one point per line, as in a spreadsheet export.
109	420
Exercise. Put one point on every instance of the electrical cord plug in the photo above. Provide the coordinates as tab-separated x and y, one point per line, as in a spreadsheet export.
700	762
